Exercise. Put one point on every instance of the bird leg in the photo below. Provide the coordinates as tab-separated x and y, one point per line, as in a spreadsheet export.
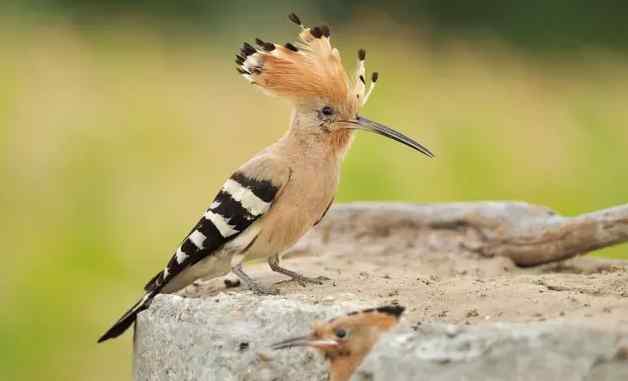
273	262
252	285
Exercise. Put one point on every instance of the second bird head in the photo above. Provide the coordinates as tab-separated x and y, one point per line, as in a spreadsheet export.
346	340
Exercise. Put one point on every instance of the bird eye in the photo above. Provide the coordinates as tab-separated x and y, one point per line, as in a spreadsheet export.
327	110
341	333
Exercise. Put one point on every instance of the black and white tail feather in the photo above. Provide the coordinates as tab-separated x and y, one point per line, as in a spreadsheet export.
241	201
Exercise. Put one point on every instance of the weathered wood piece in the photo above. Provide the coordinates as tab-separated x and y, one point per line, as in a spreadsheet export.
528	234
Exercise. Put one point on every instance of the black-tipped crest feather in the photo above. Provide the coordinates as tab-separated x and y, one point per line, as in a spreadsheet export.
392	310
295	19
291	47
316	32
247	49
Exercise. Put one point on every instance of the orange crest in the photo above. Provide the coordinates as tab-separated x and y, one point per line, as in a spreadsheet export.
310	68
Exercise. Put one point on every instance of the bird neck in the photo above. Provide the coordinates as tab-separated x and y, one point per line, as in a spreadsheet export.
308	138
342	367
340	142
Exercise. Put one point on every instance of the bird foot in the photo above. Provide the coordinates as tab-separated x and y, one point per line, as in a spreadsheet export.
252	285
261	290
258	289
304	280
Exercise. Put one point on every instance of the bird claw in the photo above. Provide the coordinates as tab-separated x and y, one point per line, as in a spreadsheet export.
294	276
261	290
304	280
256	288
252	285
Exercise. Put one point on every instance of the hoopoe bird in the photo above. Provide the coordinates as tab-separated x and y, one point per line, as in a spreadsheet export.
273	199
345	341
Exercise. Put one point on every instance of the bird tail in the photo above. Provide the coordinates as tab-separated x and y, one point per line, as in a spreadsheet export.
128	318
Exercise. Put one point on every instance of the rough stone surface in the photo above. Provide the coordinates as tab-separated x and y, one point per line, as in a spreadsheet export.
498	351
444	263
226	337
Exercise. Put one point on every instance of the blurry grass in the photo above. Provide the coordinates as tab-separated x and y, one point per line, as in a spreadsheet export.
115	141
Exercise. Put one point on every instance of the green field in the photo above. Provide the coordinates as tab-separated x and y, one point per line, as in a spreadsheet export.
116	140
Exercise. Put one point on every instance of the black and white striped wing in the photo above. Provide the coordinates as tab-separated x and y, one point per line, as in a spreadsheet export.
240	202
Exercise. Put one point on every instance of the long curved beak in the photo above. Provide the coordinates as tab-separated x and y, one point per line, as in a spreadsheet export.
361	123
305	341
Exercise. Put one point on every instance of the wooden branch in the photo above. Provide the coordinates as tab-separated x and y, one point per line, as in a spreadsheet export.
528	234
562	237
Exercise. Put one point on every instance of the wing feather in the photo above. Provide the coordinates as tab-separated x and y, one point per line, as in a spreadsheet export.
243	199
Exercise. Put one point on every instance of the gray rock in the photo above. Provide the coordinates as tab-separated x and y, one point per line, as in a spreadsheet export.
415	255
499	351
226	337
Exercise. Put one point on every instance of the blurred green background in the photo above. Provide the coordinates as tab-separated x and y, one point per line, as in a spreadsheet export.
120	120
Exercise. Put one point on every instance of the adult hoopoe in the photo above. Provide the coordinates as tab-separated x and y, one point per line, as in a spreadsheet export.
345	341
278	195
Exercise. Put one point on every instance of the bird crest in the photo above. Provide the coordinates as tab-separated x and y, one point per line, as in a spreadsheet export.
309	68
385	315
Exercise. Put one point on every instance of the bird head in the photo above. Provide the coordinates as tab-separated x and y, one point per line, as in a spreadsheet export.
311	75
346	340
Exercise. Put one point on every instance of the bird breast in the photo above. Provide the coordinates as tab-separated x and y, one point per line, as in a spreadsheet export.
300	205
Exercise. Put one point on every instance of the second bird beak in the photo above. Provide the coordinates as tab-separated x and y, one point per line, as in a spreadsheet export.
361	123
305	341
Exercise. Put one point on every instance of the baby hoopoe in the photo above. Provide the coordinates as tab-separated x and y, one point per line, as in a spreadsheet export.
277	196
345	341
